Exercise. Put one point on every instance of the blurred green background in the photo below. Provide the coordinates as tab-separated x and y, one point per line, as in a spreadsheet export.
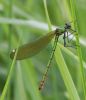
26	20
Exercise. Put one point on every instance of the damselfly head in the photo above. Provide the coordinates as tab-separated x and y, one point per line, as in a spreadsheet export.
67	26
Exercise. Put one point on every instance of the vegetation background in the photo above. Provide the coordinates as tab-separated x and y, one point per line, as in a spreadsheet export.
27	20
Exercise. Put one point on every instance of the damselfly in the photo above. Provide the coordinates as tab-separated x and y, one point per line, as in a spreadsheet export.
30	49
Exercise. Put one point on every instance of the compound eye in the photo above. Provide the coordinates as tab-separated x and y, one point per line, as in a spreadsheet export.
66	24
69	26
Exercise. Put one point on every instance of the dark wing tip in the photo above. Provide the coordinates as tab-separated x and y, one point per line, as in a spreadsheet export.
12	54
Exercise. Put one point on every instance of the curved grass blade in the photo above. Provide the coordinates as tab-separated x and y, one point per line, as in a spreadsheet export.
66	75
9	75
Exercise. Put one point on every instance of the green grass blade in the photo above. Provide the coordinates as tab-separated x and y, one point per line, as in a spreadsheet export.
30	80
10	32
76	25
73	95
10	8
47	15
64	70
9	76
19	90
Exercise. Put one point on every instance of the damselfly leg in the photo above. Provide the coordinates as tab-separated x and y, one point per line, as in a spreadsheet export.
66	38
